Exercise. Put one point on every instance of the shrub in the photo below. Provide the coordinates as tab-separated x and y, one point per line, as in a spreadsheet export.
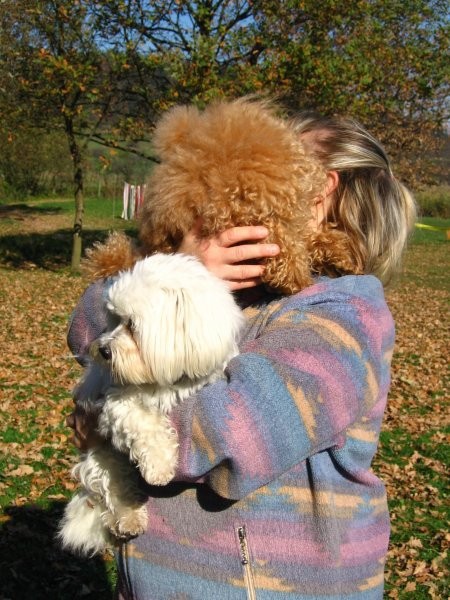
434	202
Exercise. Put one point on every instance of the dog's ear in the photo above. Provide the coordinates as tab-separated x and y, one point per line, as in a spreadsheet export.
189	340
117	253
184	319
174	130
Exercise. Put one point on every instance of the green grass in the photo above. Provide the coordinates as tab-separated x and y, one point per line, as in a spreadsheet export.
11	435
419	510
427	236
50	248
95	208
428	258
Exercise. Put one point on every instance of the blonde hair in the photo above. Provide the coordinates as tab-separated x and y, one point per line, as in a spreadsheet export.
375	210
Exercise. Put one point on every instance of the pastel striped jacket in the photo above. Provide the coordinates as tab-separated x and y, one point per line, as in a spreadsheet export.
274	497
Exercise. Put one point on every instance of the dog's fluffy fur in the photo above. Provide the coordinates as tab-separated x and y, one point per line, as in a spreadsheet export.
174	326
236	163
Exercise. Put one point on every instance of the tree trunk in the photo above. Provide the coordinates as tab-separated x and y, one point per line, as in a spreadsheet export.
78	181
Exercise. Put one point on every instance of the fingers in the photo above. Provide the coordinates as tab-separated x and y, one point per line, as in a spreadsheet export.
84	427
235	286
236	235
70	421
77	437
240	249
243	276
246	252
236	255
242	272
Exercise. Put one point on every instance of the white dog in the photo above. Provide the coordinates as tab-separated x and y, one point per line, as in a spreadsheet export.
173	328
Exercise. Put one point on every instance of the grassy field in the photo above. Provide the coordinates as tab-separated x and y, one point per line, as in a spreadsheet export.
37	294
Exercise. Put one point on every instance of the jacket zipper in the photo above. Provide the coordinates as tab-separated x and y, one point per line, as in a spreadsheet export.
245	562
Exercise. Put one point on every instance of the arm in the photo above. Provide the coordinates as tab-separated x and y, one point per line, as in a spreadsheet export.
232	255
291	393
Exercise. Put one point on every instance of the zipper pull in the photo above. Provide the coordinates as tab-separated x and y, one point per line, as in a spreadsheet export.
243	545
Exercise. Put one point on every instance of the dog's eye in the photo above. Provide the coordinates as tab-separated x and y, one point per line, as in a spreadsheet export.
130	325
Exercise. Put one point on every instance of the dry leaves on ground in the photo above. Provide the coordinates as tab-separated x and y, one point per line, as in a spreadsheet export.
37	374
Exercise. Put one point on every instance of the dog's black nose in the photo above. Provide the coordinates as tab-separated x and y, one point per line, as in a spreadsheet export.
105	351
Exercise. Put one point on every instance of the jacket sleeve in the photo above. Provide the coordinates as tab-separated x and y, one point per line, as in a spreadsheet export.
88	320
320	362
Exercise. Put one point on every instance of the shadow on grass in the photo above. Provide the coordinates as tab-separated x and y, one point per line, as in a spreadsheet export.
33	565
24	211
47	250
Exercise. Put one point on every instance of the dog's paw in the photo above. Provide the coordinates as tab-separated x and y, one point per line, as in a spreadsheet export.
157	464
127	522
157	472
155	476
134	522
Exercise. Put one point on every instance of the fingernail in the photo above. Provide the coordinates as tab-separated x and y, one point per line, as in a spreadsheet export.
274	249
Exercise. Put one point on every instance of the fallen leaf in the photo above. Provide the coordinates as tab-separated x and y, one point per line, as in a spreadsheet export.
21	471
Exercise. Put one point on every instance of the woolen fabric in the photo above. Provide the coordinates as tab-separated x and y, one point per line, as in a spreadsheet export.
274	496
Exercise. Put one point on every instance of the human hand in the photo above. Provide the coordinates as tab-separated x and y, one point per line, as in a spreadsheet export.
231	255
84	426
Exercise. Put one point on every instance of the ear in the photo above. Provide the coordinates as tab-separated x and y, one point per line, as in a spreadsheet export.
332	182
188	333
324	203
185	320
